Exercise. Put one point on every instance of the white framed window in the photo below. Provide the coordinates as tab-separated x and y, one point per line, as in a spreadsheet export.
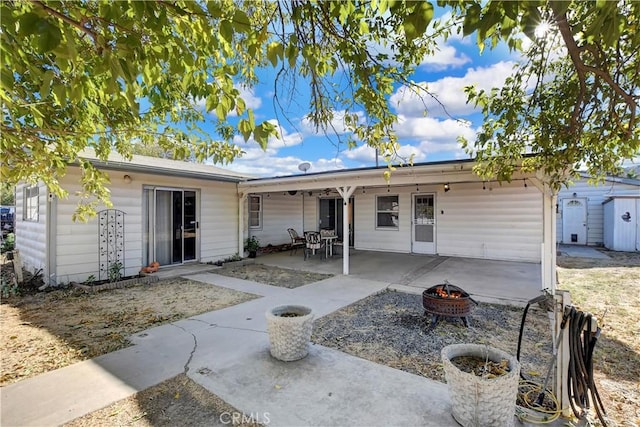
30	203
255	212
387	212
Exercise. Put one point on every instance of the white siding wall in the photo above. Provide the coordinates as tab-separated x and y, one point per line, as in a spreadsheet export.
595	195
77	243
501	222
504	223
280	212
311	213
367	236
31	236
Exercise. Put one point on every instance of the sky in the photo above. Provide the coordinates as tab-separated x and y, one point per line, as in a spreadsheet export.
431	137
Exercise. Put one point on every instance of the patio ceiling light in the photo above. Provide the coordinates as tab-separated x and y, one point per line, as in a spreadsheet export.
446	187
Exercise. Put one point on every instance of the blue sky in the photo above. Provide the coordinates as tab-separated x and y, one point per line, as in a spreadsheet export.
433	137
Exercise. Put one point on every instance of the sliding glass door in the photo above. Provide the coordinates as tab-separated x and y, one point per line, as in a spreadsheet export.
171	231
331	216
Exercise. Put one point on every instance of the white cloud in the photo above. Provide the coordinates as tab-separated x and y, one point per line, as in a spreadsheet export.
362	154
450	92
367	155
445	56
246	93
430	129
336	127
265	164
286	139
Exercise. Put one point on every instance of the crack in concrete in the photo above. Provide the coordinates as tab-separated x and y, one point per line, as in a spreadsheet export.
193	350
195	339
239	329
215	325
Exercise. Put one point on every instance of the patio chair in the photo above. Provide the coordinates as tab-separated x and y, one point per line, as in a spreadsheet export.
296	240
313	243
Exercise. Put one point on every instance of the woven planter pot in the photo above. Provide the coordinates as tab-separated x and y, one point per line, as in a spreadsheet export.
477	401
289	336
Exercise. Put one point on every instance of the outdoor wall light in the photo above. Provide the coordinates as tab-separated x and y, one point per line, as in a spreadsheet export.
127	179
446	187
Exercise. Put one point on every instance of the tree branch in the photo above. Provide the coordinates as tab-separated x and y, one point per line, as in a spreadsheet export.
68	20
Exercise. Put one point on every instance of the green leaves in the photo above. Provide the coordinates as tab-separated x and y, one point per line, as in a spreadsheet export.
46	35
118	75
416	22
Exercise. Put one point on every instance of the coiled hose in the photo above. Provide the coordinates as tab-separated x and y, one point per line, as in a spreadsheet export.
580	382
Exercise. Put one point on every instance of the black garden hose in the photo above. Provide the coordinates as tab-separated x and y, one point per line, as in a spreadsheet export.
582	342
524	317
580	382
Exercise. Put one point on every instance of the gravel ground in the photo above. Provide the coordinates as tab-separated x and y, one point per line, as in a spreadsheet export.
274	276
390	328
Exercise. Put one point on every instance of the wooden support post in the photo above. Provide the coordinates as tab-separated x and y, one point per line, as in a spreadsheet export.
17	266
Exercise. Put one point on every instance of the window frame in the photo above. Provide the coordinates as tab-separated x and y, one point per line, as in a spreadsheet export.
258	197
392	212
31	203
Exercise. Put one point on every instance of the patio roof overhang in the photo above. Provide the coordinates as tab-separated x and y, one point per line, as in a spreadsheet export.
452	172
460	171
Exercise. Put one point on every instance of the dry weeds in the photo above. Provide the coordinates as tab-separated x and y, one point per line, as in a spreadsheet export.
610	289
178	401
47	331
274	276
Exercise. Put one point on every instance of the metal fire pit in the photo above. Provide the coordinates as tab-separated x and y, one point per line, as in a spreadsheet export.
447	300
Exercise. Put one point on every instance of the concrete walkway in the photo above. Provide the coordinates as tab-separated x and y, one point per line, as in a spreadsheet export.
226	351
578	251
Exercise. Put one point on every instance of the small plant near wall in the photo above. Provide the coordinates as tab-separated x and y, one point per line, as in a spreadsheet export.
115	271
8	243
233	258
252	245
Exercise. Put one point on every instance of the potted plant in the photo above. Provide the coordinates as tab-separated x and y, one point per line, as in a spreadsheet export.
289	328
485	396
252	245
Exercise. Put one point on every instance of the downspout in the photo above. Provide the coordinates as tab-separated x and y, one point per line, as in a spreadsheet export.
242	197
50	273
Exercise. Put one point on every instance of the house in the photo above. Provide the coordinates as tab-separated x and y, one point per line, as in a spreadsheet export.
176	212
581	218
168	211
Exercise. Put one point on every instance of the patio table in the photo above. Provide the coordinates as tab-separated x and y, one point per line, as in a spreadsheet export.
328	245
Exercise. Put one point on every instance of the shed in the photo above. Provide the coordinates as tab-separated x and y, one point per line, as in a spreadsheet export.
580	208
622	223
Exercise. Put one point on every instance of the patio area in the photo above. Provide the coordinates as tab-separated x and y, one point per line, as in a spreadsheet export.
486	280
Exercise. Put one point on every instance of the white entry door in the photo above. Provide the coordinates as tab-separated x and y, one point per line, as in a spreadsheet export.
574	221
424	224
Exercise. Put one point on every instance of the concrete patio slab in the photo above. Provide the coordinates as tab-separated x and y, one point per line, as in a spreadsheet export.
328	388
505	282
578	251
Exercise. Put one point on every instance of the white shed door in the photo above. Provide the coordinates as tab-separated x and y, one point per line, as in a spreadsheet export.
424	224
638	225
574	221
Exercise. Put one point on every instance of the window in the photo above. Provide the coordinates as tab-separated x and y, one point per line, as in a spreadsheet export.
30	204
255	212
387	212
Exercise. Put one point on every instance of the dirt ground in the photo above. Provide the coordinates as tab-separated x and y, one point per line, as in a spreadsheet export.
274	276
50	330
176	402
609	287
